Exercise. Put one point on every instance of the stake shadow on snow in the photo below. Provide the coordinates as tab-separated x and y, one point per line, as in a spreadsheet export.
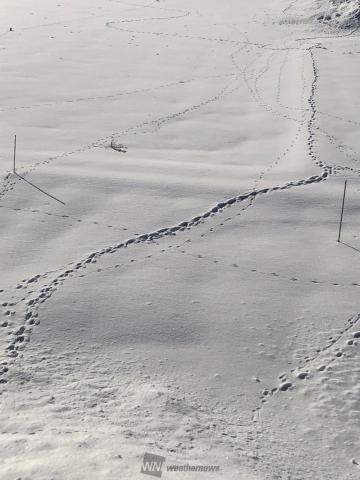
40	189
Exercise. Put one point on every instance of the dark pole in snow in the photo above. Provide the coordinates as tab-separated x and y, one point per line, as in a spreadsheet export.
14	167
342	211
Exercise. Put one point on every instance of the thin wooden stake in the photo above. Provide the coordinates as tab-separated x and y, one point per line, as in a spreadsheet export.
342	211
14	166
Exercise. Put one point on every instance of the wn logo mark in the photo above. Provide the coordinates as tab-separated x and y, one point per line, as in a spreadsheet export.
152	465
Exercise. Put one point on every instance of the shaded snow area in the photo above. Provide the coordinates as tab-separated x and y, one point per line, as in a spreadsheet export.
172	289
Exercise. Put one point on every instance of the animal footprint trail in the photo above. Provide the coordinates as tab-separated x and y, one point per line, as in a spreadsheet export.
153	126
30	319
173	35
280	77
220	40
311	366
145	127
265	79
65	217
312	104
22	334
10	181
274	275
261	177
312	128
344	149
308	109
112	96
300	127
250	196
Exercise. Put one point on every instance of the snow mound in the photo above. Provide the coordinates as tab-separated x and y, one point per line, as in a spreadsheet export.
341	13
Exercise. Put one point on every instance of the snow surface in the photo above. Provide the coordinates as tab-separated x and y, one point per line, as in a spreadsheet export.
170	278
335	14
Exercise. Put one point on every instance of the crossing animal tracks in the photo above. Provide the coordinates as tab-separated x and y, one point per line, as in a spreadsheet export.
21	305
41	287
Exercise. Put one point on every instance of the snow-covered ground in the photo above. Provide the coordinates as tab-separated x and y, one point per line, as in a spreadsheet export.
171	280
343	14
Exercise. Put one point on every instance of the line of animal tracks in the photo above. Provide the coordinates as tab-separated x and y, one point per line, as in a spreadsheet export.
24	301
54	280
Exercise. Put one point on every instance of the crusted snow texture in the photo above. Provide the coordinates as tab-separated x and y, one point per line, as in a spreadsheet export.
341	13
